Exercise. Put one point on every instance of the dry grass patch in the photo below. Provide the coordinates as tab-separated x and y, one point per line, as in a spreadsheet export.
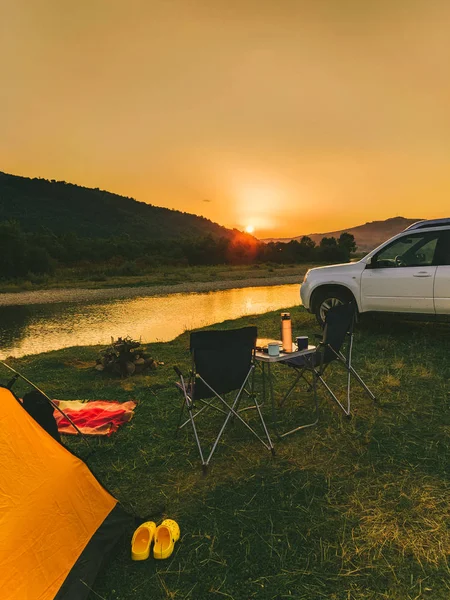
413	519
390	381
398	364
127	385
422	371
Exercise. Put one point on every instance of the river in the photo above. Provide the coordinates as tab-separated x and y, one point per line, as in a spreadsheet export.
31	328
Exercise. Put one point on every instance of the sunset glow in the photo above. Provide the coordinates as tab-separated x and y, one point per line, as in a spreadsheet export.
295	117
249	229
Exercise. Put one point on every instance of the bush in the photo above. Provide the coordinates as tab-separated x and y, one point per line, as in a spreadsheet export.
128	268
38	261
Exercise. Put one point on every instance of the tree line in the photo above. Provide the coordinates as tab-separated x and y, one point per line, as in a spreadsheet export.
23	253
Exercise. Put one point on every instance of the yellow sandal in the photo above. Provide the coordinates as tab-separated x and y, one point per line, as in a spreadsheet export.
165	537
142	538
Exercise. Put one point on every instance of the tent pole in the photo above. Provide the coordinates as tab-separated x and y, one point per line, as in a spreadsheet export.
55	406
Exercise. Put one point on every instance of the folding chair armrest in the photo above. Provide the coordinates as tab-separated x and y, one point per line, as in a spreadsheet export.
177	371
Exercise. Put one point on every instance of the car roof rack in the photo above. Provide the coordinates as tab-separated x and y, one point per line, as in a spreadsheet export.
429	223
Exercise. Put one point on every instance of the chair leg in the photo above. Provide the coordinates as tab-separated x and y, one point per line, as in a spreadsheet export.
346	361
348	366
179	426
291	389
351	371
250	393
357	376
349	383
232	412
197	438
263	423
333	396
311	386
187	402
206	405
222	429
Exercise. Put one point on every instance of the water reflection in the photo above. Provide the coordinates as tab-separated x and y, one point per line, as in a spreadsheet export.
38	328
13	324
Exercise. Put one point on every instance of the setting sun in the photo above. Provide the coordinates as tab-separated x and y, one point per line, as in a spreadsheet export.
249	229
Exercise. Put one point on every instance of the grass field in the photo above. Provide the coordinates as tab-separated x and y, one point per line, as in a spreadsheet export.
101	276
350	509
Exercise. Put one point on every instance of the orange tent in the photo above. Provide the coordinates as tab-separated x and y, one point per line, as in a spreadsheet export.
57	522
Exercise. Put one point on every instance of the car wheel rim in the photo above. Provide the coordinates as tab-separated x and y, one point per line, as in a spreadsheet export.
327	304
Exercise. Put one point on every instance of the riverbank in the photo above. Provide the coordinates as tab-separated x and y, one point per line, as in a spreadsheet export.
95	279
342	511
76	294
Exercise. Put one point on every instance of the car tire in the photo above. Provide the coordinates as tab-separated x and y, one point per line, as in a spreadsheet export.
326	299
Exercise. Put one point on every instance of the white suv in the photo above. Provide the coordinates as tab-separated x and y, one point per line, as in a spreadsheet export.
410	273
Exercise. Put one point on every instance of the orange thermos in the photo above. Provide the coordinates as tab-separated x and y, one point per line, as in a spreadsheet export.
286	332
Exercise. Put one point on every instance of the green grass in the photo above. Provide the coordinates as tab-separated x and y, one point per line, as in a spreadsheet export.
104	276
350	509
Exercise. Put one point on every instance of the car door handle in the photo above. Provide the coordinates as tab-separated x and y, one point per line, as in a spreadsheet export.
422	274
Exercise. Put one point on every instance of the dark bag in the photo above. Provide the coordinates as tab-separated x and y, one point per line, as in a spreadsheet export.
38	407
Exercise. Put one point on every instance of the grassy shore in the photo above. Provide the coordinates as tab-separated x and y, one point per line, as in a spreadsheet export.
98	277
351	509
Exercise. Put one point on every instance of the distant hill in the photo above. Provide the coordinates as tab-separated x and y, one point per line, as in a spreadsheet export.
67	208
367	236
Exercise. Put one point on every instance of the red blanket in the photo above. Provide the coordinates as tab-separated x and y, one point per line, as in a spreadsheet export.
95	417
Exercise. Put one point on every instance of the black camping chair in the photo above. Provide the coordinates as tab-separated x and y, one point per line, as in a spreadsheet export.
338	329
222	362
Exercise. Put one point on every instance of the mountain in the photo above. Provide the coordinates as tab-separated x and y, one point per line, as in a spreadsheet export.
67	208
367	236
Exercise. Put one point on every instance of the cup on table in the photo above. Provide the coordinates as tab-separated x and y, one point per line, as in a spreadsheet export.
302	342
273	349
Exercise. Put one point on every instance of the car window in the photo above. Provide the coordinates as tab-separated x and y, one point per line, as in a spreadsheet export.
442	254
414	250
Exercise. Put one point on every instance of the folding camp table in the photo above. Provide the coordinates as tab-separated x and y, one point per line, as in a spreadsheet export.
308	355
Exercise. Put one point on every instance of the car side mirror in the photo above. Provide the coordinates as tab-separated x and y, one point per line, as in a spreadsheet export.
369	263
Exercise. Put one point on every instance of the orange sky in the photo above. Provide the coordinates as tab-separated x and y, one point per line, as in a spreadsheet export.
288	115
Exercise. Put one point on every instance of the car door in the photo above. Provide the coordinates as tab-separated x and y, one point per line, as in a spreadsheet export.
400	277
442	279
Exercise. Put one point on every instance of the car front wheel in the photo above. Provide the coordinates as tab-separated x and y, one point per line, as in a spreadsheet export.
325	300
